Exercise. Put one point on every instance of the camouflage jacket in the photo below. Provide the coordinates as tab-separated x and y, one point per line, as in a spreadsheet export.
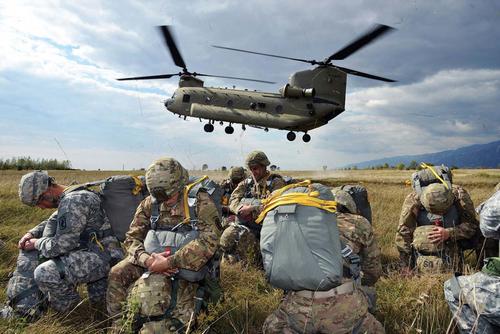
357	232
78	212
489	221
408	221
260	190
193	255
227	189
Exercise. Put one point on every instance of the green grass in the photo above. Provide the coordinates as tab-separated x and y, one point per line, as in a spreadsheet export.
405	304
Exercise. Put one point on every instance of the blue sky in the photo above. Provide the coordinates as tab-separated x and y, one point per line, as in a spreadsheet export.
60	60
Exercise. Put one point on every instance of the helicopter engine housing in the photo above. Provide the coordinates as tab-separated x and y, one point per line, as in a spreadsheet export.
293	91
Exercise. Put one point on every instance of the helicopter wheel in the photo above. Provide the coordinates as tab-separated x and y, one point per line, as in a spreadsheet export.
290	136
229	129
208	127
306	138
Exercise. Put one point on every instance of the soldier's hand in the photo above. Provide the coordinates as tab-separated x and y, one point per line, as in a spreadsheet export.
438	234
22	241
246	212
162	265
30	244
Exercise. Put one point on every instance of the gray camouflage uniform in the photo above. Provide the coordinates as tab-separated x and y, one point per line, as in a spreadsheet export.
62	258
475	301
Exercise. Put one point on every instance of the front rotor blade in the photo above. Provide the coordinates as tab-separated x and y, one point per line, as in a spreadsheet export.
161	76
236	78
360	42
364	75
264	54
172	46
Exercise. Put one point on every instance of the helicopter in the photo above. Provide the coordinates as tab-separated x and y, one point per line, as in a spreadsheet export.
310	99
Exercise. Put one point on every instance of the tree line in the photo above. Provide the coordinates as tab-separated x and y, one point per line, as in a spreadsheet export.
413	165
24	163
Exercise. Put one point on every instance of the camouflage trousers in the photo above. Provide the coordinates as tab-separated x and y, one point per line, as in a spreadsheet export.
57	279
238	243
344	313
476	307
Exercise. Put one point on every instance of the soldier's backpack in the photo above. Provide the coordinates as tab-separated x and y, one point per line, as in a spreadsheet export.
430	174
300	241
360	197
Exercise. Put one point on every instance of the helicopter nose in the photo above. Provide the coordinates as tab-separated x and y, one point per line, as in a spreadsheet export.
168	102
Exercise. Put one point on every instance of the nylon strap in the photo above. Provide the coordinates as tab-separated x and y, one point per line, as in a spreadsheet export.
138	185
155	213
187	189
424	165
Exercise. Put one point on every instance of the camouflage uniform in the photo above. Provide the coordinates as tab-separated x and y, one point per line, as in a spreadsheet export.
239	242
343	313
235	176
192	256
474	300
464	230
62	257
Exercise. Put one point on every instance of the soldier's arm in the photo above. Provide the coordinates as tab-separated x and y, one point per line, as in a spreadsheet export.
277	183
134	238
370	258
236	196
37	231
72	216
469	223
198	252
406	227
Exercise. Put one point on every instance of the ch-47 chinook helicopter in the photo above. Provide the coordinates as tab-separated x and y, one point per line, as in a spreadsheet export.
309	100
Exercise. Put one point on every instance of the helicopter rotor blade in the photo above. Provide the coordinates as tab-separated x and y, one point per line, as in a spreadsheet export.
377	31
172	46
364	75
235	78
264	54
150	77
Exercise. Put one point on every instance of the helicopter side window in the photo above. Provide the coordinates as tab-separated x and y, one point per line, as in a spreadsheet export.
186	98
230	103
261	105
279	108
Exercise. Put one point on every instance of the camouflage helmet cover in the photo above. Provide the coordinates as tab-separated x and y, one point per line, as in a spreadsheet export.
166	175
342	197
237	174
32	186
257	158
436	198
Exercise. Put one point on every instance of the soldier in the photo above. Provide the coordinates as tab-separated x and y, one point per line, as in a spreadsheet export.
166	179
473	299
357	232
432	226
240	241
69	248
235	176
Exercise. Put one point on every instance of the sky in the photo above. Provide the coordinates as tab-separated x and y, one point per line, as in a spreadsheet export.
59	61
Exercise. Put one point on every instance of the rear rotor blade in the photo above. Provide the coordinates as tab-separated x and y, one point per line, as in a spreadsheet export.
264	54
161	76
360	42
172	46
236	78
364	75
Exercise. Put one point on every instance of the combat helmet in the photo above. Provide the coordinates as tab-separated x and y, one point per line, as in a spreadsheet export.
32	186
343	198
436	198
236	174
257	158
164	177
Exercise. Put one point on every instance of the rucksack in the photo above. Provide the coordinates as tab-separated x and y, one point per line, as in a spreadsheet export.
360	196
429	175
300	242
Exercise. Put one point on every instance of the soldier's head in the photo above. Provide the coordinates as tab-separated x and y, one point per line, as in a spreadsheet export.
39	189
257	163
345	202
237	174
165	179
436	198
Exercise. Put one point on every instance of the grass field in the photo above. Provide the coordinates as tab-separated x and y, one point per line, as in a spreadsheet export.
405	305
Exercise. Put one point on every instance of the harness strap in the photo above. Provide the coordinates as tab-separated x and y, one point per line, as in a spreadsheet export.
354	262
155	213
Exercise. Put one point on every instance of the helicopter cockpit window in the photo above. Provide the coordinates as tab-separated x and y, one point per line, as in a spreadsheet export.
253	105
261	105
208	99
186	98
230	103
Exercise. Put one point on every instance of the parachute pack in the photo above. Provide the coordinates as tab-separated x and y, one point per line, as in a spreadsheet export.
360	196
298	220
431	174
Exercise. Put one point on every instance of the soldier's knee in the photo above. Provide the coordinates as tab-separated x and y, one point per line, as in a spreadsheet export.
47	272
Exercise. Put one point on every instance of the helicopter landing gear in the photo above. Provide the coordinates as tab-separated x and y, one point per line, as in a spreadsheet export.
243	127
290	136
208	127
229	129
306	138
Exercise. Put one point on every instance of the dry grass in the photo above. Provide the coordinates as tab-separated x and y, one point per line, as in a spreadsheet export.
406	305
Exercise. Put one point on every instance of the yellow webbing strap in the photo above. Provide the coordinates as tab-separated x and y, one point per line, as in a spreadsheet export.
187	189
307	199
138	185
424	165
98	243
